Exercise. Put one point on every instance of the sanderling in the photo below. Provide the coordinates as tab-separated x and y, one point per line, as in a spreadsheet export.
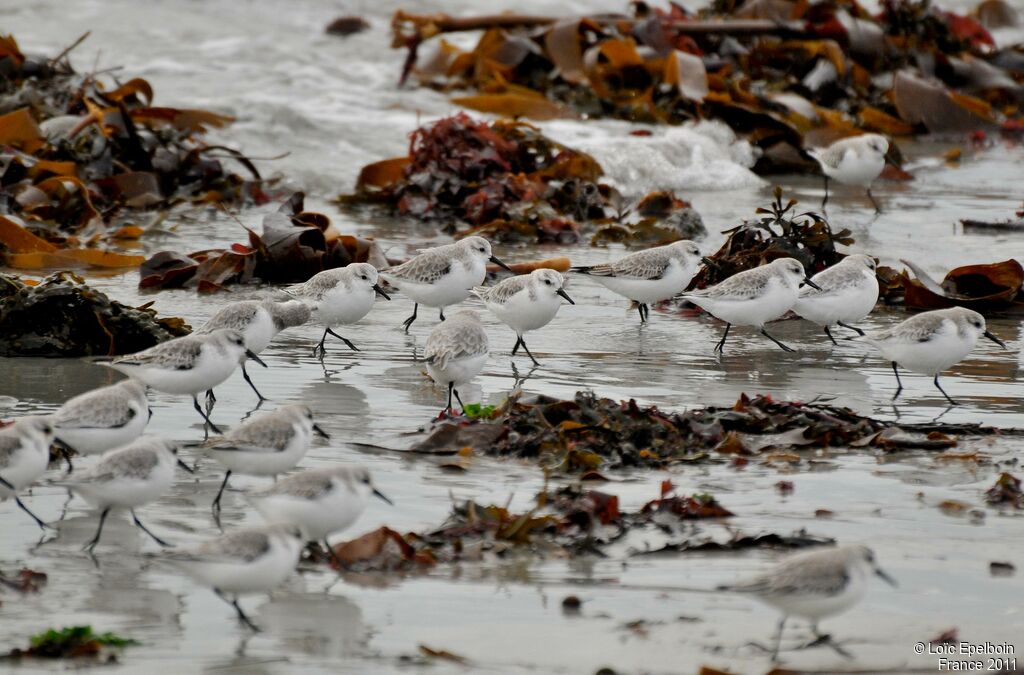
456	351
857	160
128	477
24	456
187	365
264	445
650	276
813	585
931	341
251	560
754	297
444	275
525	302
319	502
259	321
341	296
848	292
103	419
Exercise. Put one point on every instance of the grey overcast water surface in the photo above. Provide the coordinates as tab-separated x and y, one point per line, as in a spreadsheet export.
334	106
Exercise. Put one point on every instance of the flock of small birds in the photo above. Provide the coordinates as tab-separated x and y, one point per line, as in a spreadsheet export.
125	469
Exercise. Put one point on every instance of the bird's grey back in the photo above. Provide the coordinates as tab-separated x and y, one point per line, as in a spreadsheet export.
237	316
503	291
460	336
742	285
429	265
101	408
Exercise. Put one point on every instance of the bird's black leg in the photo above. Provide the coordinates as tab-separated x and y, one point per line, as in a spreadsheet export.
330	552
824	201
451	388
21	505
220	492
408	322
245	374
320	351
641	309
784	347
99	530
241	615
211	399
720	347
939	387
442	314
206	418
899	384
853	328
459	398
519	341
343	339
145	529
878	209
778	639
829	334
527	350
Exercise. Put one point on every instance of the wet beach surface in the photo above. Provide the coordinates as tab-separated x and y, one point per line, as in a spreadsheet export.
334	105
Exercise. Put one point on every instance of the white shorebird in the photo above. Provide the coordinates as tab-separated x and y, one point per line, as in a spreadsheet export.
103	419
754	297
650	276
24	456
456	351
259	321
931	342
846	293
857	160
319	502
525	302
444	275
814	585
341	296
265	445
128	477
251	560
187	365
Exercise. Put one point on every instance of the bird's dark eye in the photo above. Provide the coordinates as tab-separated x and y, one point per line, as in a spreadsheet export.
547	281
364	276
366	479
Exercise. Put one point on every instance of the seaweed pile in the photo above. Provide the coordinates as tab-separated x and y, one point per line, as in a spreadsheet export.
784	74
62	316
82	153
295	244
566	522
587	433
510	183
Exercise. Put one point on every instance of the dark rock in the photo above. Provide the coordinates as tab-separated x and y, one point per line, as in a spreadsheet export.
62	316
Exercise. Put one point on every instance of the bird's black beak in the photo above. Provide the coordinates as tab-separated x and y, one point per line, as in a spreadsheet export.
185	466
710	263
252	355
807	280
497	262
380	292
378	493
561	292
320	432
993	338
885	577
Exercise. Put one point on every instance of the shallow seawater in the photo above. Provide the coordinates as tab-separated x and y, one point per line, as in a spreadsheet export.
333	104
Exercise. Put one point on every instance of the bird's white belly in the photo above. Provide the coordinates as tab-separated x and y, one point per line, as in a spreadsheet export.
263	574
522	314
91	441
260	332
756	312
931	357
261	462
458	371
212	368
849	306
859	169
339	307
129	493
24	470
450	289
648	290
